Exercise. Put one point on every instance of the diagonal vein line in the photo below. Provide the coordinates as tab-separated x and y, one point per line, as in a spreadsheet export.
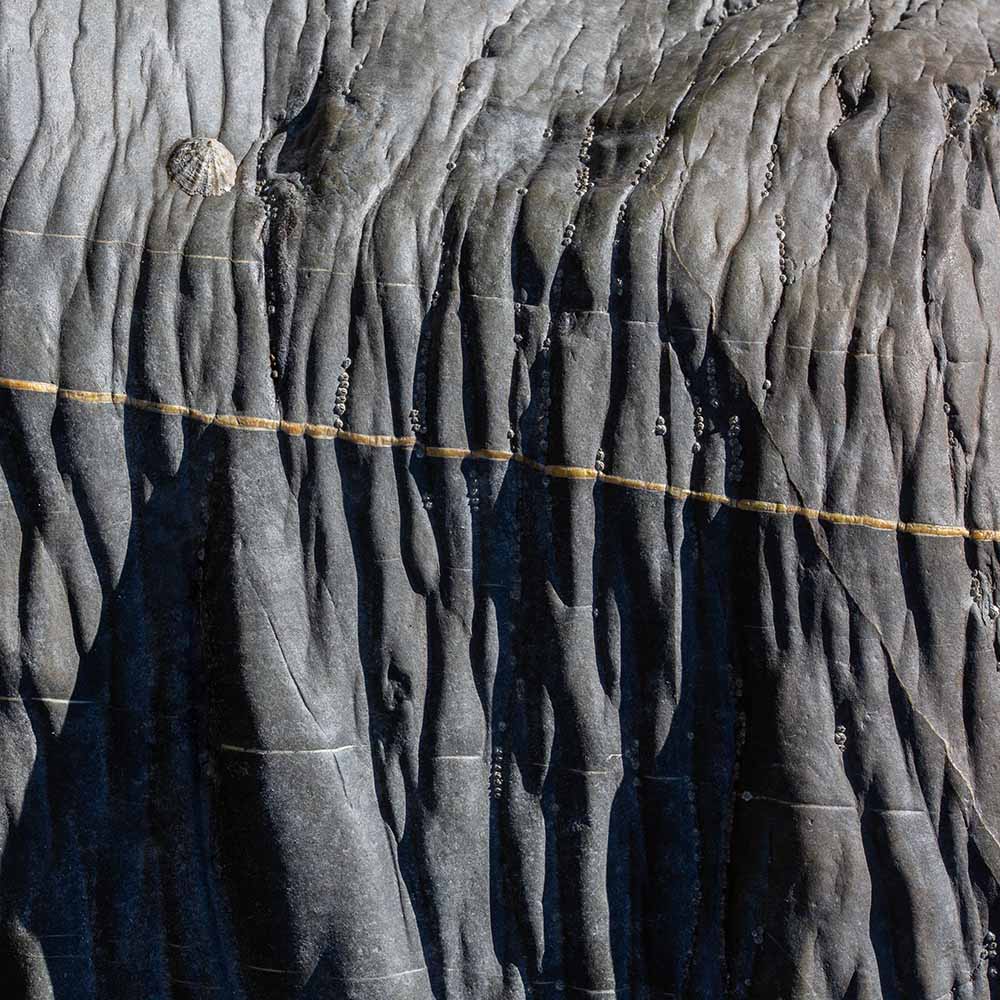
249	422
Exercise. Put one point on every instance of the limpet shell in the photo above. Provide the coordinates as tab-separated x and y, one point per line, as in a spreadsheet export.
202	166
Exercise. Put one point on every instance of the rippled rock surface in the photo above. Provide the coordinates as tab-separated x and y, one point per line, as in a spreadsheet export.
535	535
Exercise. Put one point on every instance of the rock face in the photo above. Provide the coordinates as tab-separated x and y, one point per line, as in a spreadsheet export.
535	535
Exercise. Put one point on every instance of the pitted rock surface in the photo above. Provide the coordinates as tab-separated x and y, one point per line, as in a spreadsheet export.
534	535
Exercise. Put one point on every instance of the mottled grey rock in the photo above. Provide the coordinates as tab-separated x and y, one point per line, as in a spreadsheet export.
533	536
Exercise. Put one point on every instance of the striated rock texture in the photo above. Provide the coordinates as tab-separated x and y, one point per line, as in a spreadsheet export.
535	535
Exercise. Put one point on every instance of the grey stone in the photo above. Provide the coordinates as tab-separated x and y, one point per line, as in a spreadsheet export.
292	706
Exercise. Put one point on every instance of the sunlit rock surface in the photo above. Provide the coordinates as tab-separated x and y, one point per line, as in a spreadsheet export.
534	535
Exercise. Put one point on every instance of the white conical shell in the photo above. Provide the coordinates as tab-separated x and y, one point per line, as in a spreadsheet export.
202	166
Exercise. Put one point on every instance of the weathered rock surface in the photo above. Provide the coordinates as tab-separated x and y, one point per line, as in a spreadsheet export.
620	621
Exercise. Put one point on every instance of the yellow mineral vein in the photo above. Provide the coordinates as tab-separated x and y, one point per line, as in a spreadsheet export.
248	422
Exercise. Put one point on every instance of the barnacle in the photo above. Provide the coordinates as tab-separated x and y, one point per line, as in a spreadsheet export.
202	166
